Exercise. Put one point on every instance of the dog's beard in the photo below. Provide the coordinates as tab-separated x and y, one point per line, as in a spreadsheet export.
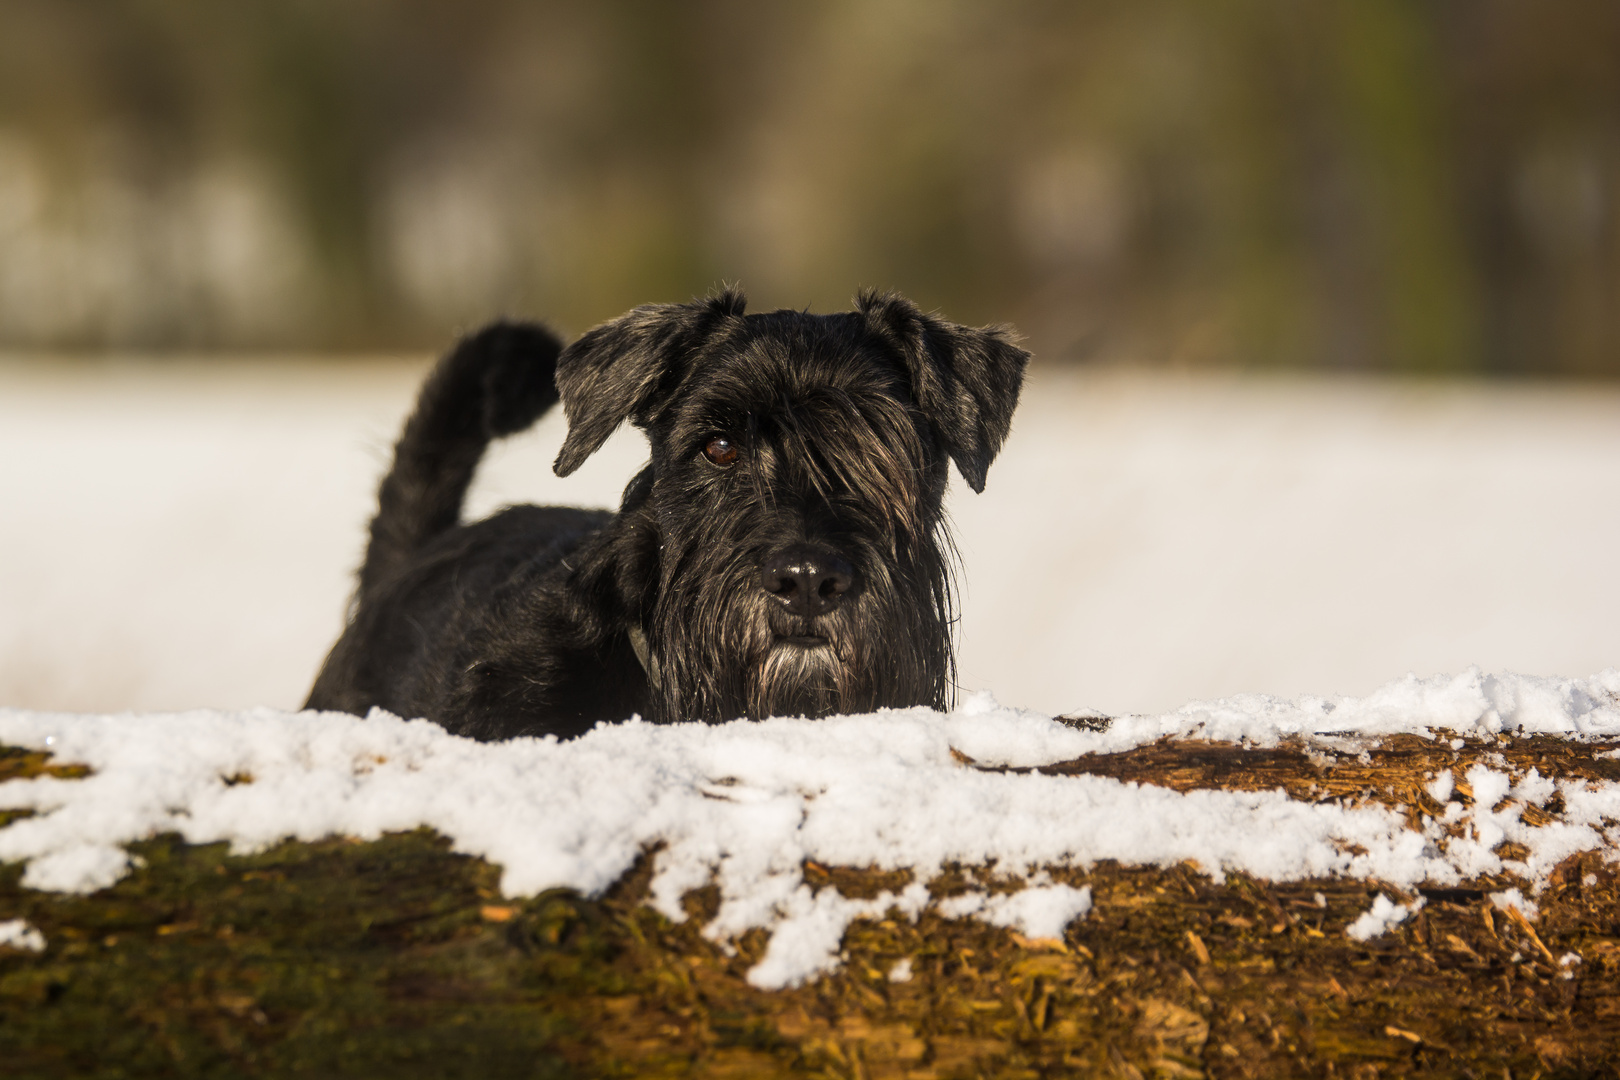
792	679
726	649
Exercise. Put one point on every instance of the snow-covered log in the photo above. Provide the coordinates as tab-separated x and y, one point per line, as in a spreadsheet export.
1418	882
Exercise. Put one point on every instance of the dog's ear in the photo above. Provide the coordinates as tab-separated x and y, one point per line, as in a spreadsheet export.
623	369
965	379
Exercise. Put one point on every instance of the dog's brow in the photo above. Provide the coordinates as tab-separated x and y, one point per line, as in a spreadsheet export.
841	448
762	490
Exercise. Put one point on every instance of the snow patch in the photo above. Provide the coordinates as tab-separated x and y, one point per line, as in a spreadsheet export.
1381	918
1040	911
744	805
810	928
1476	703
1441	787
1514	900
17	934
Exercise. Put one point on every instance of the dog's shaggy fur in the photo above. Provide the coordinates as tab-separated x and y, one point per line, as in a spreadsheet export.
784	552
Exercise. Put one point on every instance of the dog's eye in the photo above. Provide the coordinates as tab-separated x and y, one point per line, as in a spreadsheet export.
721	451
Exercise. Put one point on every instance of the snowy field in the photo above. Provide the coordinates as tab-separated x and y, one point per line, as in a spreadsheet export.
745	804
182	535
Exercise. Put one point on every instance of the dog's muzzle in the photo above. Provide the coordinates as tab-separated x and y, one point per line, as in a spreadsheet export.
807	579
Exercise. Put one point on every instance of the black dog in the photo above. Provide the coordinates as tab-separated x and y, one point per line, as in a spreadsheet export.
783	553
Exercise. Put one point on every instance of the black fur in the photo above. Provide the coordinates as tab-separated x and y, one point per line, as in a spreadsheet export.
809	576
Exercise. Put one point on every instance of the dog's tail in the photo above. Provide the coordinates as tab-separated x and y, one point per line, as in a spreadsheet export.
494	383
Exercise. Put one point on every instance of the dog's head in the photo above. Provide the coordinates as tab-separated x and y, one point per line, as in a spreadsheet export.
784	552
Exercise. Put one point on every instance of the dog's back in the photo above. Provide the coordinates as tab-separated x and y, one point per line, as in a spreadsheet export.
443	612
428	582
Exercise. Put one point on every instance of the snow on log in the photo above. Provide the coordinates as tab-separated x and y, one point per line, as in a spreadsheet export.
1422	880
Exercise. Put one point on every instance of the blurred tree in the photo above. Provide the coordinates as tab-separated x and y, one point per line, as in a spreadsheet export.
1417	185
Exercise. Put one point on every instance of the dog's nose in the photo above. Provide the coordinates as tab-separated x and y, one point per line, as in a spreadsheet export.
808	579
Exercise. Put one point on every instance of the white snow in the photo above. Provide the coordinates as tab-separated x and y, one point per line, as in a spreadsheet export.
183	533
1474	702
745	804
1382	917
17	934
1039	911
809	928
1441	786
1513	899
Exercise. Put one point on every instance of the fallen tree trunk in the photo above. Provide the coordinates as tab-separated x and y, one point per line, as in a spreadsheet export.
399	958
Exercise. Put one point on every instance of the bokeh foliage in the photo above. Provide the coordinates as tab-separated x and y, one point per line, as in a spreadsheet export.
1421	186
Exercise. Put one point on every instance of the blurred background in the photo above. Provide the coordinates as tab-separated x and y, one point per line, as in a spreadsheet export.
1324	297
1408	185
